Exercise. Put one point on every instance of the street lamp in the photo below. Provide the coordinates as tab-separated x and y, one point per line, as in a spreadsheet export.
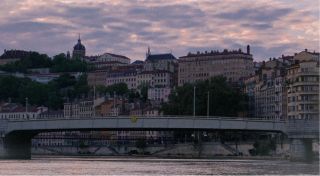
194	101
208	101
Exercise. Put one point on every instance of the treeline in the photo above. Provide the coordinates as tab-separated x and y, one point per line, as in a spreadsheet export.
224	99
58	63
52	95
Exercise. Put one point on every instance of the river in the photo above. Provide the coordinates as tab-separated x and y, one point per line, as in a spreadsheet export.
152	166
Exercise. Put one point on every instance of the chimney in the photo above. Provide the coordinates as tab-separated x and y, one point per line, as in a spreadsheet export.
248	49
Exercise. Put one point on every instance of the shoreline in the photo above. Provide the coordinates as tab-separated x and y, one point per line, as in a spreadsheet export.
161	157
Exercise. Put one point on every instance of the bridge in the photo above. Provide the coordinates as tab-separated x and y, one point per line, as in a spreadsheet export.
16	135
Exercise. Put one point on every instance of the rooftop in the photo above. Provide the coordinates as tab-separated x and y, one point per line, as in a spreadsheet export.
14	54
215	53
155	57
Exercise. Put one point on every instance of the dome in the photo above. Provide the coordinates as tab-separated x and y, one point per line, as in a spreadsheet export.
79	46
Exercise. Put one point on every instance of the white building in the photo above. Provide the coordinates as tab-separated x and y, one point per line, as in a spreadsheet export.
12	111
160	94
303	86
122	76
156	78
78	109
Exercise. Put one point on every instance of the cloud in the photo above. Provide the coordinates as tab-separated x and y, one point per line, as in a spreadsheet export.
127	27
256	15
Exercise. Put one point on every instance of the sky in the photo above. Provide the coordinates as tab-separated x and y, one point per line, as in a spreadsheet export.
128	27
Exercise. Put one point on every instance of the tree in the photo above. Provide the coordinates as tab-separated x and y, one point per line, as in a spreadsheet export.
120	89
33	60
141	144
224	99
62	64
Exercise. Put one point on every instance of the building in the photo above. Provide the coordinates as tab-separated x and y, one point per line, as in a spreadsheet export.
79	50
266	90
78	109
249	89
234	65
109	57
10	56
303	86
122	76
156	78
109	107
13	111
162	62
165	62
97	77
160	94
107	61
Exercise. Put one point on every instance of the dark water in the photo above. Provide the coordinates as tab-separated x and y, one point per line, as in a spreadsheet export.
150	166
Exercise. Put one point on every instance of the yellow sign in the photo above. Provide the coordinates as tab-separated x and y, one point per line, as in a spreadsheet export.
134	119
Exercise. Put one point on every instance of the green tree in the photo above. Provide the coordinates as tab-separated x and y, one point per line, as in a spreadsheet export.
141	144
224	99
120	89
34	60
62	64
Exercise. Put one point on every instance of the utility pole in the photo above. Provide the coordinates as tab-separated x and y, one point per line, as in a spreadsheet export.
27	108
114	103
26	104
194	101
208	101
94	99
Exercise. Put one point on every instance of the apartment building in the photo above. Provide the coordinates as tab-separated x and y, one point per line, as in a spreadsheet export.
269	90
234	65
303	86
78	109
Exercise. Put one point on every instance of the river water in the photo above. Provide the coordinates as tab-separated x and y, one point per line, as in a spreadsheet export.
152	166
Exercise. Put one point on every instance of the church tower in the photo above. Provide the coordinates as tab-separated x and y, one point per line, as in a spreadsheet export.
79	51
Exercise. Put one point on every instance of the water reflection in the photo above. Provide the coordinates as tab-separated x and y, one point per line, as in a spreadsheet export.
152	166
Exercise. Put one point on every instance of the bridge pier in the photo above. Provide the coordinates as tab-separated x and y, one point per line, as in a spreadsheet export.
16	146
301	150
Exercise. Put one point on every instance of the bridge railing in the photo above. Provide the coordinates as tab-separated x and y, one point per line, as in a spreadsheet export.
59	117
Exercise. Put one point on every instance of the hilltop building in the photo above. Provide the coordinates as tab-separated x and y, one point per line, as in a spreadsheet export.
79	50
234	65
13	55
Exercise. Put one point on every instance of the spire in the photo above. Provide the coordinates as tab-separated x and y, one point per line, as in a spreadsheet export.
148	52
79	40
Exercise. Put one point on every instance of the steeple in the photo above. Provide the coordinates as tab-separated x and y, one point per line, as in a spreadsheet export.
79	40
148	53
248	49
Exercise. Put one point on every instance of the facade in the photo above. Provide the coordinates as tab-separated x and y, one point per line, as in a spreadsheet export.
109	57
97	77
78	109
250	84
160	94
110	107
122	76
234	65
165	62
107	61
303	86
10	56
269	90
79	50
12	111
156	78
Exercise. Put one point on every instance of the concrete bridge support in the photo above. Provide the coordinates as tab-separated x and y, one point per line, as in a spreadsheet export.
16	146
301	150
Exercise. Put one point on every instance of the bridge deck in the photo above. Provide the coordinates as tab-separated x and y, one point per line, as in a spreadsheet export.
147	123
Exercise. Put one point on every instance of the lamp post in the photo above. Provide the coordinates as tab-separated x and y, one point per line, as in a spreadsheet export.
208	101
26	104
194	101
